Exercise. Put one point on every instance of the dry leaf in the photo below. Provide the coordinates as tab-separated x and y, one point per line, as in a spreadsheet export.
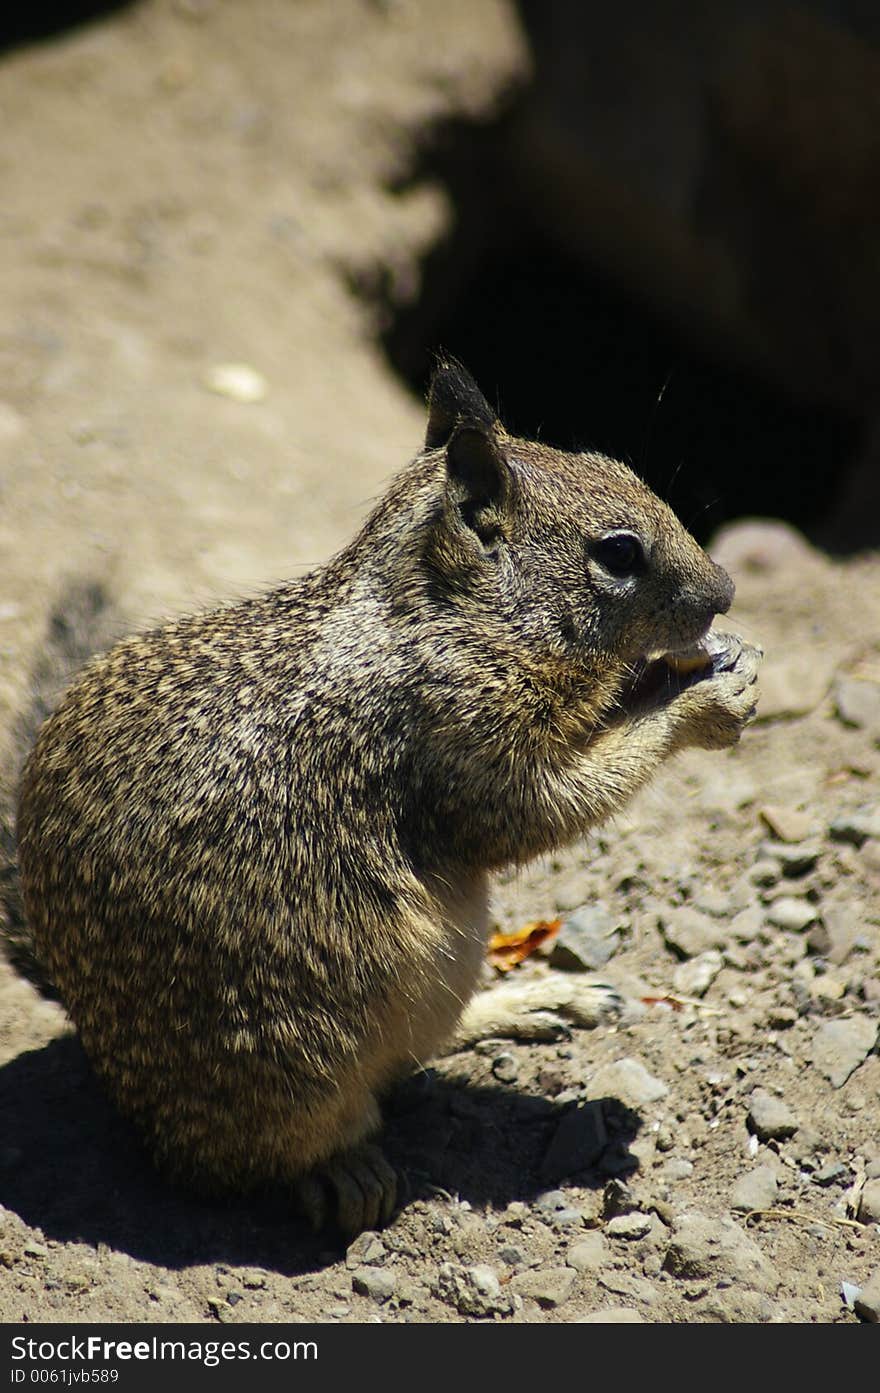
507	950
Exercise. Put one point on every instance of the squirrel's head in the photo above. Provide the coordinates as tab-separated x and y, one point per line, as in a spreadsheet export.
573	551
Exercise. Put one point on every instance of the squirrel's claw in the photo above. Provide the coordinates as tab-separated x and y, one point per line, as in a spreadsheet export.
362	1184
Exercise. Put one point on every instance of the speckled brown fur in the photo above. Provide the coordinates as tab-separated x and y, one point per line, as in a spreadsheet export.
254	843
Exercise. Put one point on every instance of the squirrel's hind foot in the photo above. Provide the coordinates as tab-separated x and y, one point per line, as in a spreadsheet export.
357	1189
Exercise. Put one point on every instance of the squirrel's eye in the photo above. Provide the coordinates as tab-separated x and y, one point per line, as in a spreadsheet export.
621	553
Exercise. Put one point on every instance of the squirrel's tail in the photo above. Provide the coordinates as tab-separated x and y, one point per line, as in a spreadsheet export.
82	624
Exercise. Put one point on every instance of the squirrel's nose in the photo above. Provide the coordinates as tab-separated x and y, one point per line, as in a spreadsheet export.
723	590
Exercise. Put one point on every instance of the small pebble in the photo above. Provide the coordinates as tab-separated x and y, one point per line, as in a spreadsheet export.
836	936
856	827
474	1291
757	1189
586	941
551	1201
694	978
869	1203
589	1253
549	1286
867	1303
746	925
829	1173
840	1046
827	987
688	932
613	1315
765	872
375	1282
628	1080
788	824
857	703
630	1226
791	914
511	1256
677	1168
792	860
367	1249
769	1117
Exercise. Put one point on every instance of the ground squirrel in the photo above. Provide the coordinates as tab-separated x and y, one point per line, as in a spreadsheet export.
254	844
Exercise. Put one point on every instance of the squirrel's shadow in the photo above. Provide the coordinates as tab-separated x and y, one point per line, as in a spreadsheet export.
72	1167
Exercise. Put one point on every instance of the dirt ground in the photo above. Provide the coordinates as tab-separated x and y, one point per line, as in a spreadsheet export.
191	185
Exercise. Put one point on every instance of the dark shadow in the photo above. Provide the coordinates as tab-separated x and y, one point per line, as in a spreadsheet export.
41	19
70	1166
572	358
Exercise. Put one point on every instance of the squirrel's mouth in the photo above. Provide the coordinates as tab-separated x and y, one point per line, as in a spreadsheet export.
658	677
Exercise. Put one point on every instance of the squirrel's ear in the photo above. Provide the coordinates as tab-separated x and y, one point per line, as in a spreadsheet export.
479	482
454	400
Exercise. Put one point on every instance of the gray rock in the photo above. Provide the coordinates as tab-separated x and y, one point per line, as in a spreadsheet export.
629	1081
375	1282
717	904
586	941
869	1203
736	1306
717	1249
856	827
617	1198
857	703
694	978
769	1117
836	936
687	932
792	914
805	1148
551	1201
633	1288
788	824
511	1256
791	860
589	1254
677	1168
757	1189
629	1226
765	872
567	1218
746	925
549	1286
577	1143
867	1303
474	1291
613	1315
840	1046
367	1249
792	683
829	1173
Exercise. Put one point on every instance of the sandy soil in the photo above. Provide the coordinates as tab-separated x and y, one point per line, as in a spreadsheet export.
184	189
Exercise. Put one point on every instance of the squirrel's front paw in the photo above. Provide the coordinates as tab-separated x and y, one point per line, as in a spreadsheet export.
715	710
